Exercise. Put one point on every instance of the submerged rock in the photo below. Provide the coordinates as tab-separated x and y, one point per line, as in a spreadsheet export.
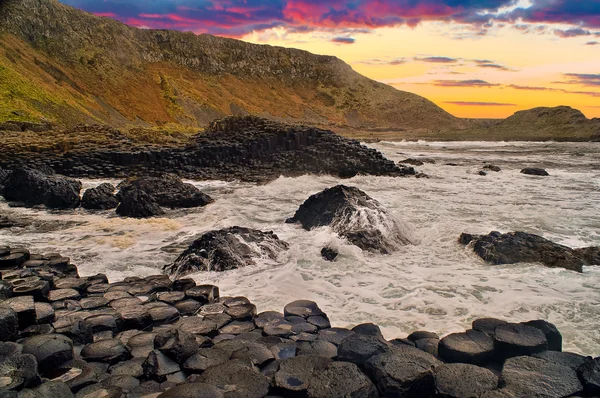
517	247
354	215
226	249
101	197
534	171
138	204
168	190
33	187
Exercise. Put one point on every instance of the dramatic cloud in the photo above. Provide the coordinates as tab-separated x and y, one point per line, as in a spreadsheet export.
343	40
584	79
584	13
575	32
466	103
558	90
592	43
437	60
463	83
483	63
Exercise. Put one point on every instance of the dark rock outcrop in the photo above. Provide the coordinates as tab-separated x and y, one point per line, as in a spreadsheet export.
101	197
226	249
517	247
353	215
168	190
535	171
32	187
138	204
329	254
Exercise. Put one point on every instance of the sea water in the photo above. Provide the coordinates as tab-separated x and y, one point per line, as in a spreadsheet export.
432	284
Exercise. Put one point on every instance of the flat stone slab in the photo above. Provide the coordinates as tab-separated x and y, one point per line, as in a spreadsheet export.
458	380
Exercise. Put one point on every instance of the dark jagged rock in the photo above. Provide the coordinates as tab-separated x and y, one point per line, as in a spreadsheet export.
458	380
101	197
18	371
9	324
176	344
534	377
353	215
491	167
33	187
516	247
589	373
591	255
138	204
54	389
329	254
49	350
295	374
4	174
226	249
550	331
168	190
534	171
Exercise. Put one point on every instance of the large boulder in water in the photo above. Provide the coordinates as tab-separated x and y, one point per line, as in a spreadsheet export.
226	249
101	197
535	171
138	204
168	190
517	247
354	215
34	187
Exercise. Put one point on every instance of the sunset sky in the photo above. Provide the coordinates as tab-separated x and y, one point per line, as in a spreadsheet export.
474	58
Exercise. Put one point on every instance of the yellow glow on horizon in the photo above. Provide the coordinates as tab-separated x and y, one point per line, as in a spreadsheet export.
535	60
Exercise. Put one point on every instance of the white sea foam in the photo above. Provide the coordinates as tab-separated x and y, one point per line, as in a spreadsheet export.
435	285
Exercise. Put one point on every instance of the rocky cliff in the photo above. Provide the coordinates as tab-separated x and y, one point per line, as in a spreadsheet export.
71	67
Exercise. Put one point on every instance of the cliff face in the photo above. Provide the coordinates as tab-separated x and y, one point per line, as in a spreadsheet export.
70	66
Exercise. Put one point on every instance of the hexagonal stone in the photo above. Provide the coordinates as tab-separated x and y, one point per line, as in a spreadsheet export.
78	284
268	317
334	335
39	289
132	367
158	366
170	297
44	313
472	347
303	308
63	294
247	351
534	377
403	372
115	295
487	325
188	307
203	294
295	374
242	381
125	302
18	371
421	334
101	322
109	350
91	303
340	380
55	389
9	324
135	317
50	350
176	344
572	360
550	331
237	327
512	340
357	348
192	390
242	312
164	315
74	328
24	307
589	373
204	358
458	380
141	344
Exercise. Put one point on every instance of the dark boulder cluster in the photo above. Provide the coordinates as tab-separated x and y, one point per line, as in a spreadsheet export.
226	249
67	336
516	247
235	148
353	215
138	197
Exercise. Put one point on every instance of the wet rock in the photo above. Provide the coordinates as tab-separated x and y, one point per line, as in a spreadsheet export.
411	161
491	167
589	373
109	350
302	308
204	294
517	247
33	187
320	322
534	377
9	323
472	346
192	390
13	259
204	358
334	335
572	360
534	171
404	372
358	348
487	325
50	350
101	197
329	254
513	340
550	331
158	366
340	380
482	173
421	334
459	380
18	371
168	190
138	204
354	215
226	249
295	374
54	389
176	344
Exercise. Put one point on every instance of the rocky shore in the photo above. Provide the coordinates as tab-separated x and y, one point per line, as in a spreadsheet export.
63	335
244	148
